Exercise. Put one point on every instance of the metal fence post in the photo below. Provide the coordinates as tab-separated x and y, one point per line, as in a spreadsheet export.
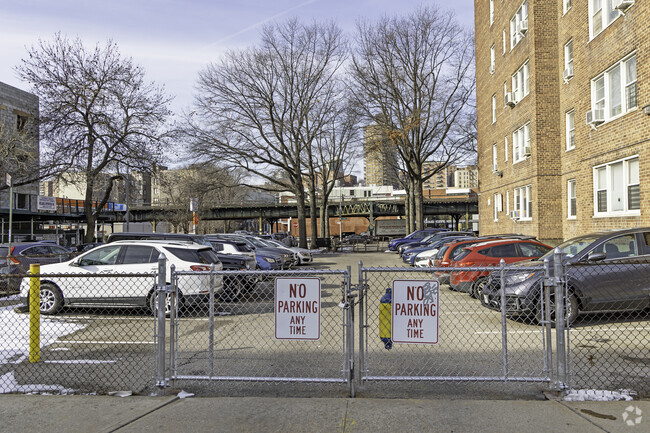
362	338
560	323
545	302
504	329
211	323
161	301
350	330
173	320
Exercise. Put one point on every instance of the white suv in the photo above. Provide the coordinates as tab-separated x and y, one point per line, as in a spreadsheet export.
76	282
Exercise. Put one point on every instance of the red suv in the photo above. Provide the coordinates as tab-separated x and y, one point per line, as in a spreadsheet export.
490	254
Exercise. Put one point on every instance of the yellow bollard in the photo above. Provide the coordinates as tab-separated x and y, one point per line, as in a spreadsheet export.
34	313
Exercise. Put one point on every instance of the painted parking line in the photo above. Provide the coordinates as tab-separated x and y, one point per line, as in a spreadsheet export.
102	342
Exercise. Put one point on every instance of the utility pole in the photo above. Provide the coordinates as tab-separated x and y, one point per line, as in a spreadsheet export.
11	209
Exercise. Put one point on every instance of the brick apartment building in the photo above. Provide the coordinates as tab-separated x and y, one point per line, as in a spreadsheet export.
563	115
380	158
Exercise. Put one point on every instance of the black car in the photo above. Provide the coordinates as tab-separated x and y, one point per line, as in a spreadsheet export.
22	255
606	271
236	285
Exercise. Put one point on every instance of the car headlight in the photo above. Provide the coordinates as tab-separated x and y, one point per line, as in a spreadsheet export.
268	259
518	278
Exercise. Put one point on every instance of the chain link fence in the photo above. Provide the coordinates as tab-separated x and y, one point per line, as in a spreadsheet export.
87	333
608	308
474	343
265	327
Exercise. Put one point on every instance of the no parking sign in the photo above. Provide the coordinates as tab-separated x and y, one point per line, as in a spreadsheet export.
414	311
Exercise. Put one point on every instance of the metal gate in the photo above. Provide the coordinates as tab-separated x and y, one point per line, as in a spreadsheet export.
232	335
474	343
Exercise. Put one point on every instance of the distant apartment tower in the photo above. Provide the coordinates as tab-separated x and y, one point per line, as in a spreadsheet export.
444	178
19	145
563	111
466	177
380	158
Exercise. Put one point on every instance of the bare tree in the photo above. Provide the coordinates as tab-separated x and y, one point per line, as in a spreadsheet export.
413	76
98	114
260	109
19	152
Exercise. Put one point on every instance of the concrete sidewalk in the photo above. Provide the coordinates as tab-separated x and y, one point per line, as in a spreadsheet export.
39	413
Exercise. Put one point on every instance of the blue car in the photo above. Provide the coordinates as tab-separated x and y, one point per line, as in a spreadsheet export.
413	237
410	253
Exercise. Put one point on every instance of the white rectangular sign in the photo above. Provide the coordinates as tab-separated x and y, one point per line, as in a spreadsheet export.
414	311
45	203
297	308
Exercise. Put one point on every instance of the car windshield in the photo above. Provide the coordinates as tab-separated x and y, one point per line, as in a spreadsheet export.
572	247
257	243
441	252
204	255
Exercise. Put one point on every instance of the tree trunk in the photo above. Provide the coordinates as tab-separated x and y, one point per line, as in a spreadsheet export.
313	215
419	205
88	211
302	221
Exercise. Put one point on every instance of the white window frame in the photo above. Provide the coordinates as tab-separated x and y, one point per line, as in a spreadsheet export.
602	13
504	40
572	205
491	12
505	93
507	202
521	82
494	108
570	126
520	139
602	90
505	154
566	6
629	166
517	18
523	202
495	165
568	57
496	206
493	56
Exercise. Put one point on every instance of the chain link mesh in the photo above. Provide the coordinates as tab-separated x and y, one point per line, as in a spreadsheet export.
232	337
475	343
95	335
608	306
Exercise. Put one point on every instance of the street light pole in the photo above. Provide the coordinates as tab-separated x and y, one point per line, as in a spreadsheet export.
340	213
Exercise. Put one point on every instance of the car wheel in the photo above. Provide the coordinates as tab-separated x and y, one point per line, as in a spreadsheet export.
153	303
478	288
51	299
573	309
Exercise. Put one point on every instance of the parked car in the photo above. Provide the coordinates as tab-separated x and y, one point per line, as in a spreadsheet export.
303	255
413	237
284	258
421	256
490	253
234	286
606	271
229	246
62	284
22	255
430	239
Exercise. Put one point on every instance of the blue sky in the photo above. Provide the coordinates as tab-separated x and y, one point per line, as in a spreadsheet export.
174	39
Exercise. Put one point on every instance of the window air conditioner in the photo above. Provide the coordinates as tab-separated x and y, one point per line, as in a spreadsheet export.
527	151
568	74
523	27
510	99
514	214
624	4
595	117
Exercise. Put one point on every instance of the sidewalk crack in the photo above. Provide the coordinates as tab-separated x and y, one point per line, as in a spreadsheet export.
131	421
581	416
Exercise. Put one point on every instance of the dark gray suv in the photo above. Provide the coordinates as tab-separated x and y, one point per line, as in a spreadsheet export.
606	271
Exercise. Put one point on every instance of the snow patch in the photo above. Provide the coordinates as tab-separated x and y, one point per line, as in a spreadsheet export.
184	394
598	395
8	384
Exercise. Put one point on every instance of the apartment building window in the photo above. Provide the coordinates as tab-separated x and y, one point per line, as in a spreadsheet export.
495	166
602	13
571	198
505	93
21	121
568	60
567	5
519	24
494	108
504	41
521	82
521	143
498	206
570	130
614	92
507	202
491	12
492	59
523	202
505	147
617	189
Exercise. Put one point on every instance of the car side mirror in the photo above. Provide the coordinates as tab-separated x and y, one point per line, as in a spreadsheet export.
595	257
